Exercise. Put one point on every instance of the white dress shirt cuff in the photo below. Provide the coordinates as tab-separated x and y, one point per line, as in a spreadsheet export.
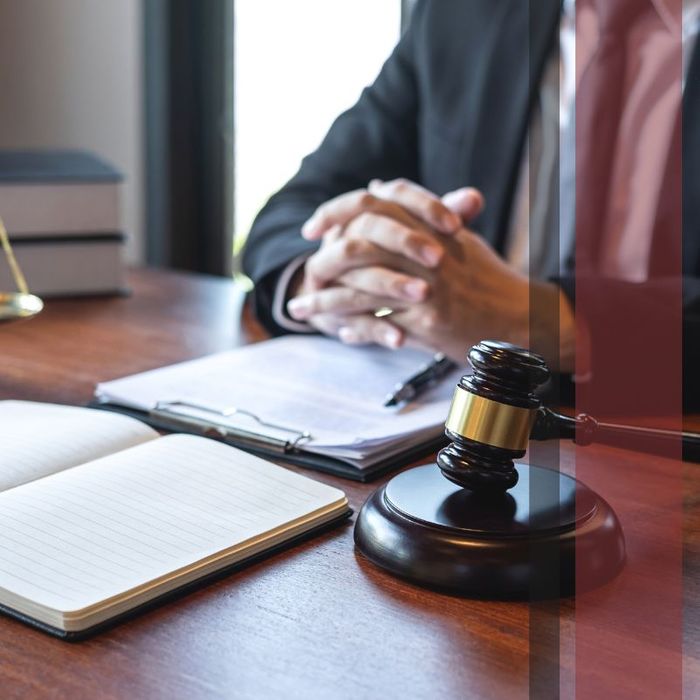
281	297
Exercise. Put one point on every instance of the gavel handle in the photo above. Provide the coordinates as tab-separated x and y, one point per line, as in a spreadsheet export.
585	430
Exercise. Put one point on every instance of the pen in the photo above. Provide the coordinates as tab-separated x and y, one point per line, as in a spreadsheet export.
424	378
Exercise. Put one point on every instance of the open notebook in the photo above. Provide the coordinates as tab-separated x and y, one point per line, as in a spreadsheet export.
312	399
99	516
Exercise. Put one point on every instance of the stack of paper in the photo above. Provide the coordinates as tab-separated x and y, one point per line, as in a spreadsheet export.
288	386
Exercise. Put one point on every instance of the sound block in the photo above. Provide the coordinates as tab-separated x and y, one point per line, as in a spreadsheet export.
542	539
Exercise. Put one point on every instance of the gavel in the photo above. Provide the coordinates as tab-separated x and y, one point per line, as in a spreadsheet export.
495	412
478	523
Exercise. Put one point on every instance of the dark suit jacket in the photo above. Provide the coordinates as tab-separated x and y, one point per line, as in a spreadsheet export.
451	108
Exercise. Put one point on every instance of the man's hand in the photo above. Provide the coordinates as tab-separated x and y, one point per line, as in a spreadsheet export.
474	294
402	200
471	292
376	252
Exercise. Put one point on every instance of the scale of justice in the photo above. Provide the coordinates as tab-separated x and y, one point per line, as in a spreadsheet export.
19	304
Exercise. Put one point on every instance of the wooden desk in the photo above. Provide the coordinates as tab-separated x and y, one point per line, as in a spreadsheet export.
317	621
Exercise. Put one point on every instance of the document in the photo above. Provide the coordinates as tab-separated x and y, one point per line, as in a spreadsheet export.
295	386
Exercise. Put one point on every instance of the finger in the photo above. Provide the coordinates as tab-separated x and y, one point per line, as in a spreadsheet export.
337	300
312	283
333	234
415	244
420	202
332	261
381	282
466	202
360	330
328	324
343	209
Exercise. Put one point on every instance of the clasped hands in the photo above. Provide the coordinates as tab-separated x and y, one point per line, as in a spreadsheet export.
396	245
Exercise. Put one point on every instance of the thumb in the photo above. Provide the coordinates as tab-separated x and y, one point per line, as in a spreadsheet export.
467	202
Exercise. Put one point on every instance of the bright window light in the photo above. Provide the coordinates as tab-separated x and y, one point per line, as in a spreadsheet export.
297	66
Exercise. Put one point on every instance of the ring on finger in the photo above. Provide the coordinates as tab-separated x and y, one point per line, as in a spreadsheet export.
383	312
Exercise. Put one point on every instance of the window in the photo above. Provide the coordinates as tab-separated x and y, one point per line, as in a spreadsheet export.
297	66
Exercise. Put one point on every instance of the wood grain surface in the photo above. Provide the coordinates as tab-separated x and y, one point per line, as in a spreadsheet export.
317	621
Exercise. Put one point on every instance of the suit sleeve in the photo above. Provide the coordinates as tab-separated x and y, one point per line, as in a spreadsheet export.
376	138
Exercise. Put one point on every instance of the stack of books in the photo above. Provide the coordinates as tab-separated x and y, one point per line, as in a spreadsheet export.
61	211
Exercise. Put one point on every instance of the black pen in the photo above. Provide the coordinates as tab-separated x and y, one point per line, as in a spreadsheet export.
423	379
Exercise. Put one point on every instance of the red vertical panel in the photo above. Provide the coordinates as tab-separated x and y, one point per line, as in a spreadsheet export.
629	362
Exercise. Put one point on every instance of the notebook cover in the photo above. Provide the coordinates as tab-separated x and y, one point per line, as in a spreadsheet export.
178	592
55	166
320	463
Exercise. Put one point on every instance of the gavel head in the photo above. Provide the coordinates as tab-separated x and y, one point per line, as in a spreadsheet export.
491	417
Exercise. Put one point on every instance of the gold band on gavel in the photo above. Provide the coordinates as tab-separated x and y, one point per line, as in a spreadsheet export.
490	422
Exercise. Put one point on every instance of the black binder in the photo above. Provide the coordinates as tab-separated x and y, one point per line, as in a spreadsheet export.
289	450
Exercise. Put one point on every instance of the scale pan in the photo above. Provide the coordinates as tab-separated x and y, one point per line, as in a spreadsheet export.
16	305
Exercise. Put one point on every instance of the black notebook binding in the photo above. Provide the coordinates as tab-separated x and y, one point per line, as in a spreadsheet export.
179	592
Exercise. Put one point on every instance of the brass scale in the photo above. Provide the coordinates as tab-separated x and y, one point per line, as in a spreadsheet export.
19	304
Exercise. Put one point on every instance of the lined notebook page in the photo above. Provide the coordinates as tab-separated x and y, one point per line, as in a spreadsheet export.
85	535
37	439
